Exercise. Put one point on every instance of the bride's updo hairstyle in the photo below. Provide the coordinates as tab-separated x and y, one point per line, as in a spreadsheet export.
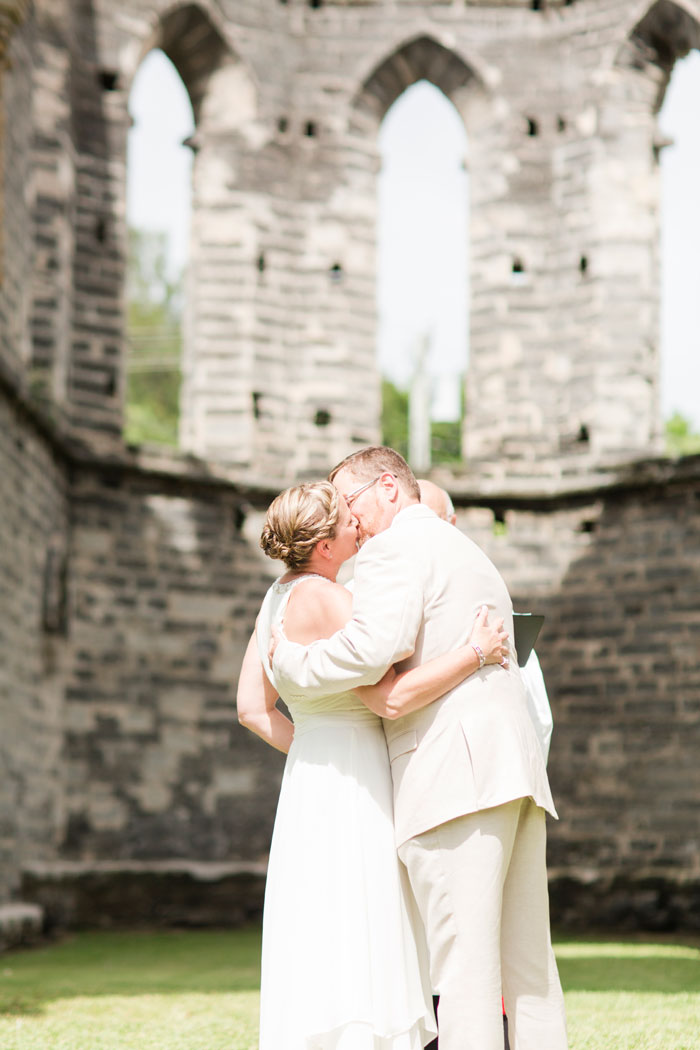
297	520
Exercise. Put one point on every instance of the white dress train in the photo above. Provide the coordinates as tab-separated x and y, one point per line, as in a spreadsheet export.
344	964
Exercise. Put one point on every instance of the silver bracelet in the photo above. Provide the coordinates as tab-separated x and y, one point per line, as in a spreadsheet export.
480	653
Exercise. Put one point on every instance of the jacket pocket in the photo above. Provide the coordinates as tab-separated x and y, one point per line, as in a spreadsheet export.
402	744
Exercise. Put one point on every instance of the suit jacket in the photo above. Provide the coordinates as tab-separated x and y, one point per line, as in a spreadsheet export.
418	587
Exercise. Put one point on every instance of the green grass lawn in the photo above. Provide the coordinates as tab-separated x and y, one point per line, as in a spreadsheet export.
133	991
631	995
199	991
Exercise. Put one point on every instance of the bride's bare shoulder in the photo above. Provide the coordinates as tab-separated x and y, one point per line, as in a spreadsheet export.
317	609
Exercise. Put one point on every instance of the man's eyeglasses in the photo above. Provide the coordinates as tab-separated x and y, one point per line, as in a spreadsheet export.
352	496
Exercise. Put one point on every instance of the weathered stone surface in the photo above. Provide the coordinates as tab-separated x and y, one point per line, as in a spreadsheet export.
164	591
624	903
129	580
616	576
560	109
176	893
21	924
33	517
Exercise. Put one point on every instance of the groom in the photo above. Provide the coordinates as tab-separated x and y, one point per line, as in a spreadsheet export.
470	786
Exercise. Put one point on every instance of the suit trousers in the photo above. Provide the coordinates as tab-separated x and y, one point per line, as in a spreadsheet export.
480	882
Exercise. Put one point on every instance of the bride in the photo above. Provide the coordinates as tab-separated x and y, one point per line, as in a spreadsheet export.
344	964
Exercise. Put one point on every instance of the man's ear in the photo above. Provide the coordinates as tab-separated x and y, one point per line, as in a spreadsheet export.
390	485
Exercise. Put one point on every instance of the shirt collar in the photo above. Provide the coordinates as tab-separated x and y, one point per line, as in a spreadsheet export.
413	512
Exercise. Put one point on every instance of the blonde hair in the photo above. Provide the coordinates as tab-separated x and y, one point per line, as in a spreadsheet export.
369	462
297	520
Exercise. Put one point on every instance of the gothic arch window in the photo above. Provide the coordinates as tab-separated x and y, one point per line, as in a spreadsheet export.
159	173
421	58
680	235
415	98
222	103
422	278
665	33
663	45
652	70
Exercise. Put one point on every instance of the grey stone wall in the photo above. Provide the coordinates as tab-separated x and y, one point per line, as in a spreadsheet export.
16	243
33	507
33	529
615	571
168	804
164	592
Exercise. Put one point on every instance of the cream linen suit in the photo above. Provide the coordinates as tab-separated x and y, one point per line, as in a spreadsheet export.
470	784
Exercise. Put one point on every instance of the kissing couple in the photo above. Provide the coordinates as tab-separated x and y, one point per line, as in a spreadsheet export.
408	853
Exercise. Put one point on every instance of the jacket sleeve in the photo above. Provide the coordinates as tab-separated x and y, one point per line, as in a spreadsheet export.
386	618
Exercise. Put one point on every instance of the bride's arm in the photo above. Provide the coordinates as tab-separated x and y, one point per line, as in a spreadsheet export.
399	694
256	702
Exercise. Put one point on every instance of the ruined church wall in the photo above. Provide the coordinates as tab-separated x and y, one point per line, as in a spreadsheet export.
33	524
165	581
165	587
120	745
616	574
33	515
279	365
16	241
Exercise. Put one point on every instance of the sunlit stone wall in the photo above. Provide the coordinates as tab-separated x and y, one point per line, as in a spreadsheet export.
130	580
280	375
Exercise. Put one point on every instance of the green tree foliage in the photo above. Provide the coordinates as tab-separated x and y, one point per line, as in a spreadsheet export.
445	437
394	417
680	439
155	342
446	441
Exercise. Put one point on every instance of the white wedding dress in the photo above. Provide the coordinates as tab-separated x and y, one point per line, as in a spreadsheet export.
344	966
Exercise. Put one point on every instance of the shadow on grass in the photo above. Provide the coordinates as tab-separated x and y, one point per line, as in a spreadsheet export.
20	1007
227	962
130	964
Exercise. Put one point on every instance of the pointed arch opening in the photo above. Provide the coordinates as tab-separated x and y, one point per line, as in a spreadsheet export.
657	75
421	58
207	81
680	236
664	44
416	101
422	267
159	180
664	34
196	48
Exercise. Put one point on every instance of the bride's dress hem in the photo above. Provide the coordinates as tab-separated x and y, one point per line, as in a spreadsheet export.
360	1035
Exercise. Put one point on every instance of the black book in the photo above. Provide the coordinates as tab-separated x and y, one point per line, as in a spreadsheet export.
526	627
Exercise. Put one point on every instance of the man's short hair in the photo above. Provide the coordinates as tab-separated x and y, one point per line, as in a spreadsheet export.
367	463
